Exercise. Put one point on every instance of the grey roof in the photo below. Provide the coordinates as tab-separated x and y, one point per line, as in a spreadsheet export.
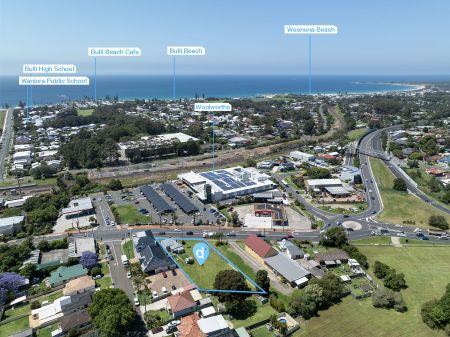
10	221
337	190
151	255
286	267
156	200
179	198
294	250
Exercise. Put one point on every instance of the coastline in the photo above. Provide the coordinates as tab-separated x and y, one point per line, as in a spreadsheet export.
233	87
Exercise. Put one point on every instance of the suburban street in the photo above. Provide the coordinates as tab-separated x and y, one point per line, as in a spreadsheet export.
5	141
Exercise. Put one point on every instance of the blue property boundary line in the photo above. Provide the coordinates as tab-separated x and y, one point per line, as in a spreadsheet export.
261	292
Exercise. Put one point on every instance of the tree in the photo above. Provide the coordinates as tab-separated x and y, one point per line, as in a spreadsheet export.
394	281
43	246
35	305
153	319
380	269
316	294
230	280
115	185
235	219
303	305
332	288
334	237
262	279
387	299
10	283
438	221
112	312
88	259
399	185
96	271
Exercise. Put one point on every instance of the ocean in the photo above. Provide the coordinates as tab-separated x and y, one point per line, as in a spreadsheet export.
151	86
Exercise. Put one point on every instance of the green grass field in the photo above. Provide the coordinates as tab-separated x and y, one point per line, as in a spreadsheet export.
356	134
205	275
400	206
374	240
128	249
104	283
47	331
85	112
13	327
237	260
426	272
128	214
423	182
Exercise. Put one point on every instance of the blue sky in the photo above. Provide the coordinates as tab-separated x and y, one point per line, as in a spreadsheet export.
240	36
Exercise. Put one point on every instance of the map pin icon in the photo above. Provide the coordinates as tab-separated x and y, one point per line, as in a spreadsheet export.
201	252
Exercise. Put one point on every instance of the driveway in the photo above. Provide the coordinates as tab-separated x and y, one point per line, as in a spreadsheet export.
274	280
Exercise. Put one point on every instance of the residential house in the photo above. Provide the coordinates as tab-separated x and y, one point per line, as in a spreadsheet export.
258	248
79	285
290	249
283	266
172	245
150	254
215	326
64	274
181	304
79	321
10	225
333	258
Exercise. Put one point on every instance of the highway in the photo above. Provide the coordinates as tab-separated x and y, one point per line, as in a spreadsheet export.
375	144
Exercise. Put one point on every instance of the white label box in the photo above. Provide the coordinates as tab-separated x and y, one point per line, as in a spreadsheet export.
310	29
53	80
114	51
186	51
212	107
49	69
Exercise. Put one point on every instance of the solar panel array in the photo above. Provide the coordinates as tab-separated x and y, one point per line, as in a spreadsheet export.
179	198
156	200
226	181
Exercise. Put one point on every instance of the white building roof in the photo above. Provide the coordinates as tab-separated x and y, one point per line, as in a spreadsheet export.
78	205
12	220
323	182
211	324
208	311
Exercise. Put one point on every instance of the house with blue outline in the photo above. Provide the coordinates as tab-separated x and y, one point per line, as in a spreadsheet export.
151	255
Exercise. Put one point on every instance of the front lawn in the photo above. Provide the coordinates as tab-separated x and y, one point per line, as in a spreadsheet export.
374	240
237	260
13	327
47	331
128	214
401	206
104	283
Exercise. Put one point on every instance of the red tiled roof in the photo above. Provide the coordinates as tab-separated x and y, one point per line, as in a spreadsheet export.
189	327
259	246
181	302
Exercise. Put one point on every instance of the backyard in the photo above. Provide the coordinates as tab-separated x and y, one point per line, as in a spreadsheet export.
426	273
398	205
13	327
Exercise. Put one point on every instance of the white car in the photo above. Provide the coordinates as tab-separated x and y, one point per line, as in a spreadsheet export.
401	234
177	230
398	226
173	323
136	301
128	275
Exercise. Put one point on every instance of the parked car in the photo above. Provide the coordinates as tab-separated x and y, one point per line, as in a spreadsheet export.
154	293
157	330
111	257
162	233
164	274
136	301
174	288
128	275
174	273
174	323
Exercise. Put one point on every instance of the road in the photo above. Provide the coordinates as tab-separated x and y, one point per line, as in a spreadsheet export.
375	145
6	137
